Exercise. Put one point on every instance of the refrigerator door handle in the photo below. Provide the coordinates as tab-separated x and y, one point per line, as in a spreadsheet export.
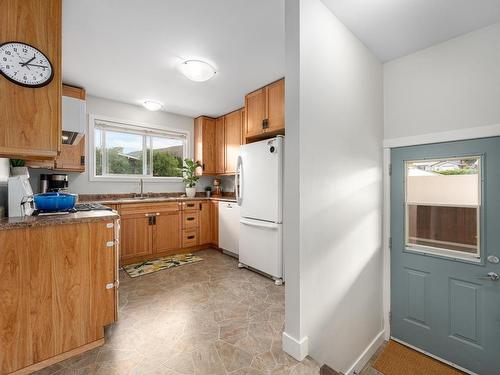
262	224
238	180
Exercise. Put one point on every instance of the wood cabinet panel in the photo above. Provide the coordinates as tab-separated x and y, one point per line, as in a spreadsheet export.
220	150
103	272
276	106
167	232
255	112
52	298
15	316
204	223
72	157
233	128
214	219
135	235
204	144
31	118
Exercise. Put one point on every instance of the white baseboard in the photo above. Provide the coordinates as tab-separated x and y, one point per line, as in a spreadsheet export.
298	349
366	355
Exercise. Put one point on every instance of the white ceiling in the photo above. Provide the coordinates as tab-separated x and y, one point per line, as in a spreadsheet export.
394	28
129	50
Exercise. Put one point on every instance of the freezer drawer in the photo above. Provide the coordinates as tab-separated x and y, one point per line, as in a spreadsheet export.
261	246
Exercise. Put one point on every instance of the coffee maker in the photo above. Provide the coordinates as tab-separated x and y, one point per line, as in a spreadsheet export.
57	182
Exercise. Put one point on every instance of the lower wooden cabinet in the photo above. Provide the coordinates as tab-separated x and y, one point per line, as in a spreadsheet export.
214	219
166	231
149	229
135	235
204	225
58	290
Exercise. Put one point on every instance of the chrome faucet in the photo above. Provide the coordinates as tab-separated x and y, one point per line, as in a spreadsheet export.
141	185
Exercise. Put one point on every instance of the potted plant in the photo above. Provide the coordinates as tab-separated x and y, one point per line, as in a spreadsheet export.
18	168
189	176
208	191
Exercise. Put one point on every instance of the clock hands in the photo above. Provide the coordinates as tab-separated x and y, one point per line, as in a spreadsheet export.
28	65
28	62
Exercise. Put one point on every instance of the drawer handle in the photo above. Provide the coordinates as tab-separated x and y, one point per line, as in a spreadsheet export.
110	285
110	225
190	237
190	205
110	243
190	218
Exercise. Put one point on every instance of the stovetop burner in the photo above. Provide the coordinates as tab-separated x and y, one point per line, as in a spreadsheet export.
78	207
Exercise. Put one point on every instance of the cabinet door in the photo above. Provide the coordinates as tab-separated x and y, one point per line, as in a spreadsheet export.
167	232
204	223
208	134
103	275
276	106
198	142
30	119
220	149
255	112
232	140
214	212
72	157
135	235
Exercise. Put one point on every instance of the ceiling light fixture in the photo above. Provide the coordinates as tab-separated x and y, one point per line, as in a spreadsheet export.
152	105
197	70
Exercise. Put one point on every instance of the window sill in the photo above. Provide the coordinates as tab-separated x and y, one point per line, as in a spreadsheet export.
135	179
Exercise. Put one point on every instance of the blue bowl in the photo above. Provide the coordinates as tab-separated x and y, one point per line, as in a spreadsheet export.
55	201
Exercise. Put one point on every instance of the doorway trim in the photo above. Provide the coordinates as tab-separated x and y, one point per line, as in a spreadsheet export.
388	144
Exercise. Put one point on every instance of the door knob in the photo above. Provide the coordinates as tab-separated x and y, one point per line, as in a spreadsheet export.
493	276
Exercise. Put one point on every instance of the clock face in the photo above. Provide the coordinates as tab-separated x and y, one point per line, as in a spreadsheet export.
25	65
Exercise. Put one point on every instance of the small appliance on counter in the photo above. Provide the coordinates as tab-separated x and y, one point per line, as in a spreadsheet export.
20	196
57	182
217	188
44	183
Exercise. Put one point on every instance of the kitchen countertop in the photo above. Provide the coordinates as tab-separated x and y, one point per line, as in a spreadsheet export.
153	199
69	218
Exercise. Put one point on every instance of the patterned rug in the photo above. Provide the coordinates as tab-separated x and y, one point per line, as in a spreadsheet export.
155	265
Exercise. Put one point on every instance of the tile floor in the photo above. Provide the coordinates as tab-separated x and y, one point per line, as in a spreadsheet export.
204	318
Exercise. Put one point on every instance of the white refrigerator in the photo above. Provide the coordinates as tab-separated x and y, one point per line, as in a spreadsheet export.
259	192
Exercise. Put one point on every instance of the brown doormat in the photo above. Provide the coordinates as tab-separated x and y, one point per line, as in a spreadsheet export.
397	359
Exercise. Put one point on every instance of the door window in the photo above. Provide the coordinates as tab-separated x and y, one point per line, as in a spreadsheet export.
442	207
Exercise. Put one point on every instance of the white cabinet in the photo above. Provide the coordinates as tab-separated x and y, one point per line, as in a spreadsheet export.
229	227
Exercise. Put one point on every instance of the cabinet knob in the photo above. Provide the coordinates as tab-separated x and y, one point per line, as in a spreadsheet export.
265	123
110	243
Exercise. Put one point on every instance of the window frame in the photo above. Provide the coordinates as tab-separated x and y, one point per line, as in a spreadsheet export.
132	127
437	251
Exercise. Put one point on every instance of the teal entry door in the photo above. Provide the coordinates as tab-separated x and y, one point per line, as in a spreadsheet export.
445	250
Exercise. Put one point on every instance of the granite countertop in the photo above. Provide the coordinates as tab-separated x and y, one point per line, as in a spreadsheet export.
150	198
57	219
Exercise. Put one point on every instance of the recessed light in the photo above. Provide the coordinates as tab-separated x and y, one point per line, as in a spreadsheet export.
152	105
197	70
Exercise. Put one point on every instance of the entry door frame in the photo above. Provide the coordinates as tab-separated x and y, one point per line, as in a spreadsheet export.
388	144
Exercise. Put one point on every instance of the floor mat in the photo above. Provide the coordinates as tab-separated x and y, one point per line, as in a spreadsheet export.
163	263
397	359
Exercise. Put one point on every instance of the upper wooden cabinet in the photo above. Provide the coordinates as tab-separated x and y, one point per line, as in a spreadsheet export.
72	157
220	147
265	111
204	144
233	134
30	118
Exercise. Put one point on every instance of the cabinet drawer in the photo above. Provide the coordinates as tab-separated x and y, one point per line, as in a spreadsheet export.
190	219
191	205
189	237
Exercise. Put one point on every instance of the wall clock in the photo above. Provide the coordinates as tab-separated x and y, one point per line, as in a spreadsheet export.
25	65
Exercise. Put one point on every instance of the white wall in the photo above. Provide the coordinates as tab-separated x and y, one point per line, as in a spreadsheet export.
339	148
80	183
450	86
